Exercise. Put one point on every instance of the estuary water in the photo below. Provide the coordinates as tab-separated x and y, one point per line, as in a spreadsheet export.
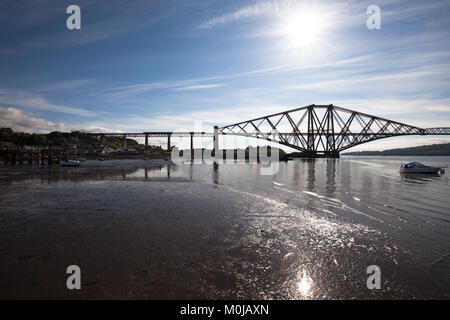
145	229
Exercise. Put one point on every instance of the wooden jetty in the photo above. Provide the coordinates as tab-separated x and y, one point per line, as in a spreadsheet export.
50	155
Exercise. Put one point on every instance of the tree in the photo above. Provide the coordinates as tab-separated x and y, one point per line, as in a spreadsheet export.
7	134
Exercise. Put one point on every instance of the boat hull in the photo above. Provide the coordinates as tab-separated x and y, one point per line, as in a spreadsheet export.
70	163
420	170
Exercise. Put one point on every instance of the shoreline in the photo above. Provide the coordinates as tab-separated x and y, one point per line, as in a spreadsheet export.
127	156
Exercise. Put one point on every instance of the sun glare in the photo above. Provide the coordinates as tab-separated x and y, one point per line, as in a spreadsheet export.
304	286
301	27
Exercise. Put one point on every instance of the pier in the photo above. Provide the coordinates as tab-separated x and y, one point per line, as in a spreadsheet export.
50	155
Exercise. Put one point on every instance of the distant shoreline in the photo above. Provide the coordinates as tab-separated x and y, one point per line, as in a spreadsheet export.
436	150
124	156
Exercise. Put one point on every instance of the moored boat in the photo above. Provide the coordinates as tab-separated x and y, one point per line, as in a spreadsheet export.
417	167
70	163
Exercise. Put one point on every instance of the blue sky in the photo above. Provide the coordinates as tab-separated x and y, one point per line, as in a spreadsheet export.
167	65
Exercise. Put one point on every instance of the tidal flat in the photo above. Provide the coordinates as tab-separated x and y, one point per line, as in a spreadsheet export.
146	229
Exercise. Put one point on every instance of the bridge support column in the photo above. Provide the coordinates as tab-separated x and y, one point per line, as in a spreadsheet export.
168	142
146	142
331	154
124	141
216	143
192	145
103	139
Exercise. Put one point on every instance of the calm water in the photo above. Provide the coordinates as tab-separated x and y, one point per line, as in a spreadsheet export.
141	230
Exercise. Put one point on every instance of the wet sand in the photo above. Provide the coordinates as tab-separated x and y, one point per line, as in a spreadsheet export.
152	231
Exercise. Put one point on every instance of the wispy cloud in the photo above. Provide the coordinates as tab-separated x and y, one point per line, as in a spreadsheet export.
63	85
392	82
189	84
183	85
349	13
26	99
258	9
199	87
405	10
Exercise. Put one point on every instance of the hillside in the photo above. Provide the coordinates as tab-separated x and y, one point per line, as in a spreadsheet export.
442	149
57	138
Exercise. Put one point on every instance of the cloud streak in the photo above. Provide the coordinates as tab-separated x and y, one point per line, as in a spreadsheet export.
26	99
199	87
258	9
190	84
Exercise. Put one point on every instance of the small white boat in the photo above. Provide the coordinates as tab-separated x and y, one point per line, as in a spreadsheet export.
70	163
417	167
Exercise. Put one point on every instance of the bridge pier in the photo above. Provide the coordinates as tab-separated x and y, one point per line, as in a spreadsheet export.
124	141
331	154
314	154
168	142
146	142
216	143
192	146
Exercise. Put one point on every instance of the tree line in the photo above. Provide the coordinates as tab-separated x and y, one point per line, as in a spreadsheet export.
57	138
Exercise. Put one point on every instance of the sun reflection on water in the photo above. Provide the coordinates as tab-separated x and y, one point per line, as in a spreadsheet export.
304	286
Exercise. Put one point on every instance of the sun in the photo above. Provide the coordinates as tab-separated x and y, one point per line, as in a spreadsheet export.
301	27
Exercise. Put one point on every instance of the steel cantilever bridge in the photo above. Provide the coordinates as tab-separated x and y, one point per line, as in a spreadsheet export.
325	130
314	130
